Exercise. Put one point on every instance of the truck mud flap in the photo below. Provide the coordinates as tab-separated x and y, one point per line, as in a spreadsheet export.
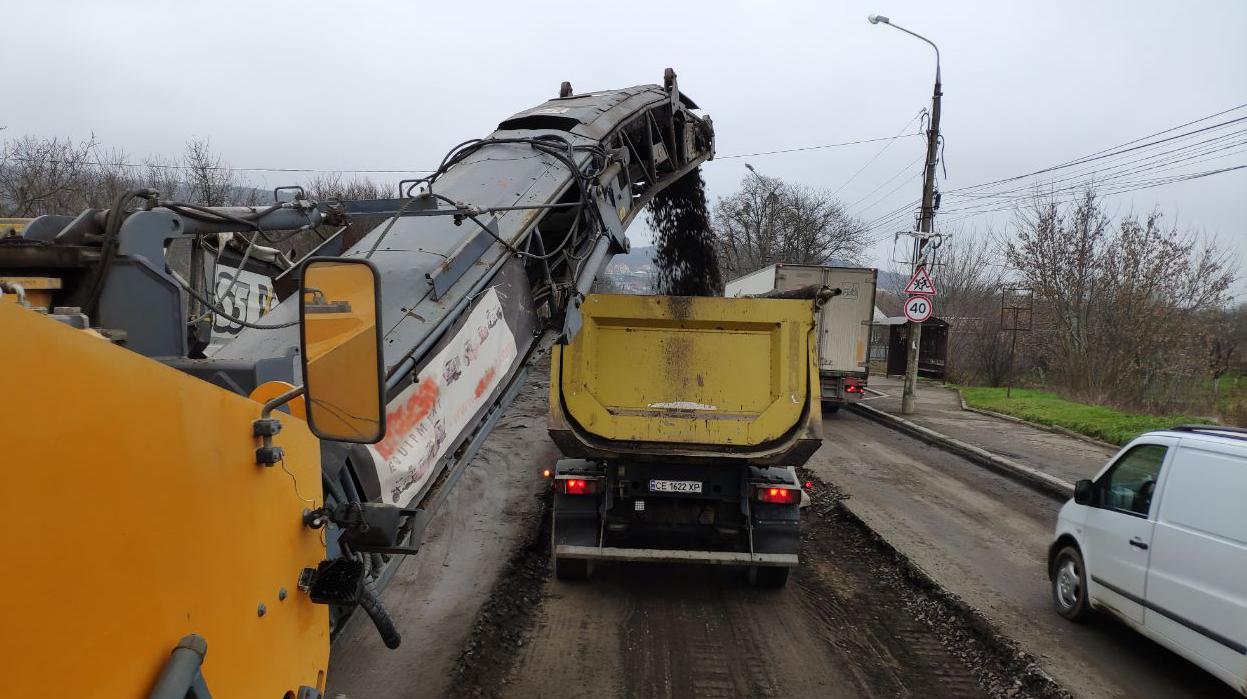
782	560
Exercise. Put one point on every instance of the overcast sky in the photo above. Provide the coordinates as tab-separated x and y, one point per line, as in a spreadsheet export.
380	85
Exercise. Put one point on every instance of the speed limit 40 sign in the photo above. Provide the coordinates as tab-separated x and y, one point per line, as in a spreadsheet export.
919	308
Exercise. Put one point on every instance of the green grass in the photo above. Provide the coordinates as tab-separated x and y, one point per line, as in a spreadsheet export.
1231	399
1048	408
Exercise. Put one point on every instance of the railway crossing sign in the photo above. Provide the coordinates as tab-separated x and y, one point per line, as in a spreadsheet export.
919	308
920	283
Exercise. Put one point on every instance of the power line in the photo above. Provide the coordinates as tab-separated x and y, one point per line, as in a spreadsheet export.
885	183
1105	154
879	152
175	166
1177	159
1067	195
1125	168
1110	188
805	148
1121	188
1108	153
395	171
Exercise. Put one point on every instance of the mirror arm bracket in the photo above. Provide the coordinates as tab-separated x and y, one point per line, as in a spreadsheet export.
267	426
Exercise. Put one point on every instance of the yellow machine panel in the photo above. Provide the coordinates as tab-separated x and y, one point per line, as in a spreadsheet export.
13	226
671	370
136	515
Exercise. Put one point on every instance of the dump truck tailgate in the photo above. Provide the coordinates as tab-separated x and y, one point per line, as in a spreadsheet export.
659	374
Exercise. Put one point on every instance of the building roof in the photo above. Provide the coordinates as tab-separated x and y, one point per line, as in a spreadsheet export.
901	320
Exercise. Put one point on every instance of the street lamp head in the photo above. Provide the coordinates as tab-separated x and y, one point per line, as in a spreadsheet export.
876	19
750	168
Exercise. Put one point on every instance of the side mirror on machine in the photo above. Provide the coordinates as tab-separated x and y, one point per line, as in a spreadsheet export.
340	343
1083	491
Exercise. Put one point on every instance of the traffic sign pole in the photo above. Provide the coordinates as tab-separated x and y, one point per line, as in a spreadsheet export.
925	221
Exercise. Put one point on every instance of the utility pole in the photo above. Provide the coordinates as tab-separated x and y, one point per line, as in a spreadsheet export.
926	217
1017	306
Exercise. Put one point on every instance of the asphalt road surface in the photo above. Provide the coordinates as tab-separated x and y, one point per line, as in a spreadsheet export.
481	616
984	538
851	623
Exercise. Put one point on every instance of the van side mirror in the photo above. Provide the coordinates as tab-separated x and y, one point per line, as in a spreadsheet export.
340	342
1083	490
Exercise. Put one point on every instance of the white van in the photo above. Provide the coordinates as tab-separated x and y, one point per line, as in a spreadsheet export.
1159	540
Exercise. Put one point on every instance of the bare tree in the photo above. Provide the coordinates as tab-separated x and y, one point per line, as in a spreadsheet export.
1120	303
771	221
1226	333
333	186
969	277
208	179
164	176
107	177
41	175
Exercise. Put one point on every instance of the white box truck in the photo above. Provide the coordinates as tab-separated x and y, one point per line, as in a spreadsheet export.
843	325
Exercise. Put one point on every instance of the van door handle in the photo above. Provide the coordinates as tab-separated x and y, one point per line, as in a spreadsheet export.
1138	543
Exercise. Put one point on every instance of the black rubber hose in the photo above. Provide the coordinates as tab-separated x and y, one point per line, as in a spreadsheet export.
212	306
108	246
371	602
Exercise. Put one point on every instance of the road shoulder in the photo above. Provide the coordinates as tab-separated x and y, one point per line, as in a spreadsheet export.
939	409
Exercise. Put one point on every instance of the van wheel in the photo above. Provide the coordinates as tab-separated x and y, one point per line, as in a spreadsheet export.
769	577
1069	584
572	568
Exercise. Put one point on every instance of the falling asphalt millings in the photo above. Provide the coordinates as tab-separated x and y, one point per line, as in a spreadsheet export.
685	254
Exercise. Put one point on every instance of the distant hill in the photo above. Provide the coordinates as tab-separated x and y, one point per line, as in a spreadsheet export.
632	273
638	257
892	280
635	271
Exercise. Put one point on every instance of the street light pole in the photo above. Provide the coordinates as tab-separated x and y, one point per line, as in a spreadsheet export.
771	198
926	217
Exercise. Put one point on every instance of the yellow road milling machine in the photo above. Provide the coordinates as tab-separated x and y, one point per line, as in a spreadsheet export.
227	423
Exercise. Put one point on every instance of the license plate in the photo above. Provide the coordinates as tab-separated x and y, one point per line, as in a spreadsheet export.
656	486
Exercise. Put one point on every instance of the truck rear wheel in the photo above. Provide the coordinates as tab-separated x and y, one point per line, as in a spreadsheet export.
830	408
572	568
769	577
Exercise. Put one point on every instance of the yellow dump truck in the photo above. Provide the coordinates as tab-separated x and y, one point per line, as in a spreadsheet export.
682	420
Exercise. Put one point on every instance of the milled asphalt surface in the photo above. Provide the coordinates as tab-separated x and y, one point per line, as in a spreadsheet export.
435	596
979	535
984	537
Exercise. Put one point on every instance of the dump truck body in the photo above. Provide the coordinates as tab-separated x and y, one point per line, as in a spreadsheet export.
680	416
843	324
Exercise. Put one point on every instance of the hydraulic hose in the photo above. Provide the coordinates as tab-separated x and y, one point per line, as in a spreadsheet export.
371	602
108	246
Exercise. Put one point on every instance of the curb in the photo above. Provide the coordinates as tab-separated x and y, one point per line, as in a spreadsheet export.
1047	484
1039	426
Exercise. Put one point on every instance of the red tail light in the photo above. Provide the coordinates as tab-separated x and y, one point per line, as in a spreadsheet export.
577	486
853	388
778	495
